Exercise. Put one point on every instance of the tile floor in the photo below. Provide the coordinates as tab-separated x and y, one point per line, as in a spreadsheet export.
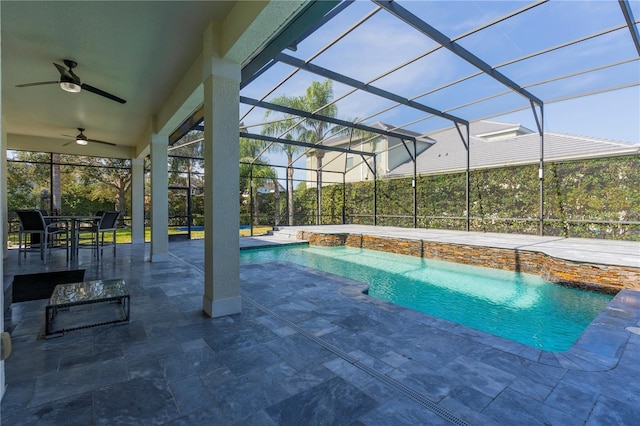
309	348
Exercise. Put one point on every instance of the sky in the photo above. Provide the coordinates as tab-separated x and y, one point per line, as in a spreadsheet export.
383	42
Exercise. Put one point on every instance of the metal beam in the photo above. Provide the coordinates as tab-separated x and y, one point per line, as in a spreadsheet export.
315	55
509	62
348	81
326	18
294	44
186	126
313	11
319	117
417	23
628	16
364	160
303	144
248	79
411	156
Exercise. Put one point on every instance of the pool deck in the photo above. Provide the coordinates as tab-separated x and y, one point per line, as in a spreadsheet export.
309	348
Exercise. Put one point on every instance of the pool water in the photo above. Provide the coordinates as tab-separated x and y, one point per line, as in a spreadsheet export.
516	306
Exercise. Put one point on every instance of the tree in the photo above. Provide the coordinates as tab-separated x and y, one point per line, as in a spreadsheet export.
276	129
186	169
106	178
252	169
317	99
27	177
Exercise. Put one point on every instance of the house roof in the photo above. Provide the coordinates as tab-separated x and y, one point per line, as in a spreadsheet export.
344	139
449	154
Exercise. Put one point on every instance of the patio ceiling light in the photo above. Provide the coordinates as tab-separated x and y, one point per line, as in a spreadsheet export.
81	139
69	86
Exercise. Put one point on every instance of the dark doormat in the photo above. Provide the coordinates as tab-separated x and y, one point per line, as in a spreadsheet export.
178	237
40	286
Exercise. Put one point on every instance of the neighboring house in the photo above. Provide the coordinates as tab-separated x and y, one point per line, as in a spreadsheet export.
267	187
390	150
493	144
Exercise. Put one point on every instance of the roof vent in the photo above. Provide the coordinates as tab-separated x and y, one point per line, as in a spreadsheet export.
507	133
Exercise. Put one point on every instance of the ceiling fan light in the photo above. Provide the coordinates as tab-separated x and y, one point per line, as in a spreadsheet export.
69	86
81	141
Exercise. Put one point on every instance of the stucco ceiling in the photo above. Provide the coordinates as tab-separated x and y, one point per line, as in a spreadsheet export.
137	51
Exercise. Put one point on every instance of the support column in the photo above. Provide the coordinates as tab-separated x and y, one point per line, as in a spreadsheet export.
137	201
468	181
4	213
3	209
540	124
375	191
159	199
221	159
414	183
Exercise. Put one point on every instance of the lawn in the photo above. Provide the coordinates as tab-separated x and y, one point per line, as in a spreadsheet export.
123	235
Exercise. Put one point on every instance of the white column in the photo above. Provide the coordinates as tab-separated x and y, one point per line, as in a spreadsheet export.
137	201
3	209
221	205
4	227
159	199
4	213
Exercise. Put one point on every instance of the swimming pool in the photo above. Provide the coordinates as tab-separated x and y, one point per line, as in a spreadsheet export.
519	307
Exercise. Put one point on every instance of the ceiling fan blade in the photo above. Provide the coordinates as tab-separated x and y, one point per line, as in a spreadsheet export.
88	140
102	93
102	142
67	73
37	84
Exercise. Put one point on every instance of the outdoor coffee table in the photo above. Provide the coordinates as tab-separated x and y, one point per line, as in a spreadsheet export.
111	294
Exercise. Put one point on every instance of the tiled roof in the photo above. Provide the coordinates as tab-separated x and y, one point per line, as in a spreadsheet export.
344	139
449	154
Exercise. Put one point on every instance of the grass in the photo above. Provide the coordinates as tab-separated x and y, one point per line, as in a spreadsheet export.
123	235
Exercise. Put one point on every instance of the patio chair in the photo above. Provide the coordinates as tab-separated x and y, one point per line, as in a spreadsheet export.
106	224
42	235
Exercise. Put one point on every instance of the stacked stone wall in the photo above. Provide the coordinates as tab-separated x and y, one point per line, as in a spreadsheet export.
324	240
354	240
604	278
393	245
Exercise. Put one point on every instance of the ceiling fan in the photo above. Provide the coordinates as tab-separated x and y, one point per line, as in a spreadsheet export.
70	82
81	139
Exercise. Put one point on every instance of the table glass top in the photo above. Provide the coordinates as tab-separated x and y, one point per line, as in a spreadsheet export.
87	291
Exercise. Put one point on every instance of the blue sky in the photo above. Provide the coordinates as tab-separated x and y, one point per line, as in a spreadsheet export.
383	42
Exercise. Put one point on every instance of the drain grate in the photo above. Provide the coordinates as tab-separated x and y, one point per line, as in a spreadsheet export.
416	396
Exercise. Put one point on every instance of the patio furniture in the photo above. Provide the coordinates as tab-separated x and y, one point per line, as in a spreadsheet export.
75	221
107	223
112	295
32	223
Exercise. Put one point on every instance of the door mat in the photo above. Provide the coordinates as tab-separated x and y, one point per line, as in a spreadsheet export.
40	286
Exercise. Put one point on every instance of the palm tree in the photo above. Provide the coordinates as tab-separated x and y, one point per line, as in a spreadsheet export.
252	165
317	98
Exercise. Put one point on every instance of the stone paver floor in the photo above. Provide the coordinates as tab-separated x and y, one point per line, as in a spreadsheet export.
308	348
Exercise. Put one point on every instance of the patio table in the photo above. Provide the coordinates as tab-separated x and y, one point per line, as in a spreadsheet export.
75	221
66	296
